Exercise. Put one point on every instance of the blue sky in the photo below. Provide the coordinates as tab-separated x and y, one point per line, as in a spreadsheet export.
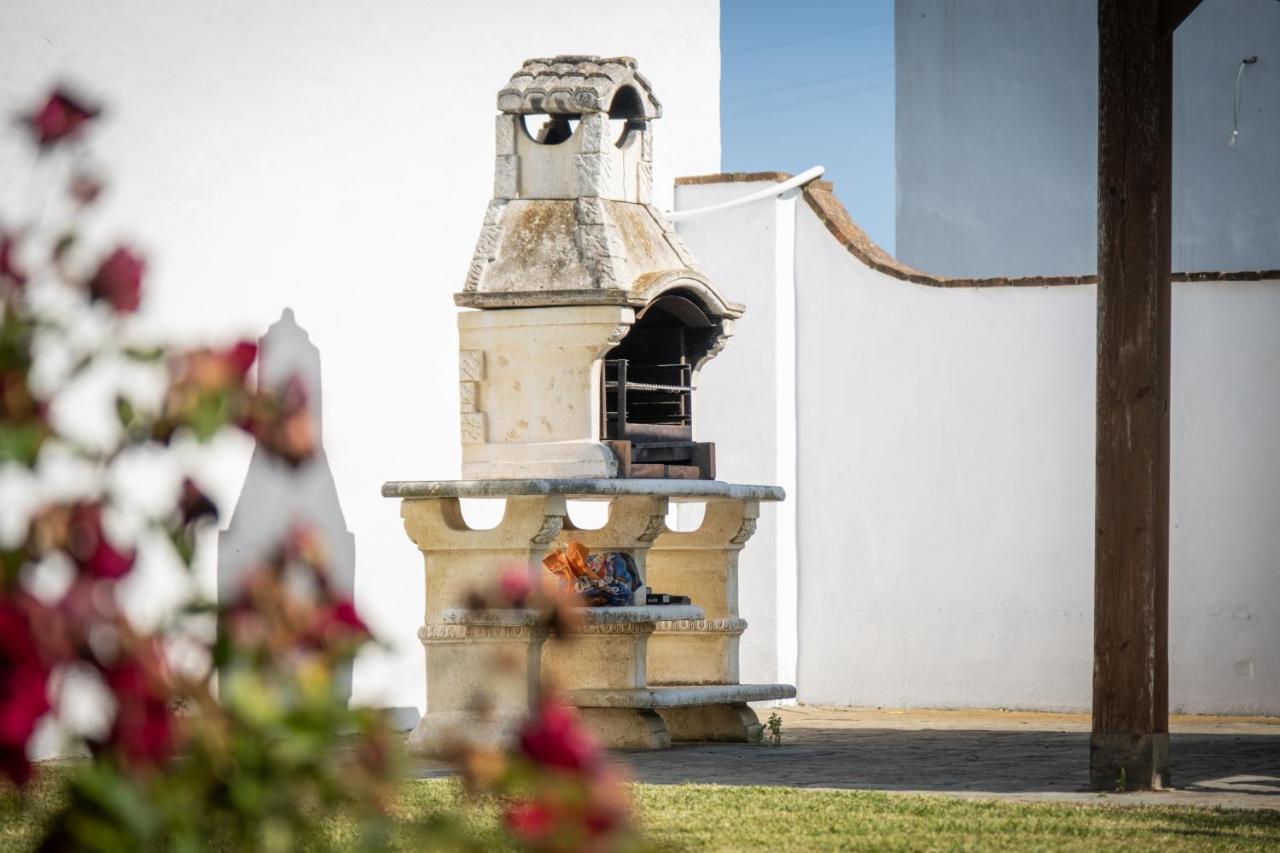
807	82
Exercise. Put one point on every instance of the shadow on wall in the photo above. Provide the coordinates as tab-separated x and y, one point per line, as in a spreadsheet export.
274	497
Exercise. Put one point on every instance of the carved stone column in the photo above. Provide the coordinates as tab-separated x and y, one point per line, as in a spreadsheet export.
703	564
458	559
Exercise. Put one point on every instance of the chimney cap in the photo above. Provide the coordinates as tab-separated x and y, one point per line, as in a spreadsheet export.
574	84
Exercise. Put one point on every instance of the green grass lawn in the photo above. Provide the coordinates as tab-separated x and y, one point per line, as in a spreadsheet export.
705	817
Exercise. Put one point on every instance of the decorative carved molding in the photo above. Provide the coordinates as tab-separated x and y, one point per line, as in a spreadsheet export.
617	335
551	527
616	628
470	365
457	633
468	397
656	526
471	424
718	344
726	625
745	532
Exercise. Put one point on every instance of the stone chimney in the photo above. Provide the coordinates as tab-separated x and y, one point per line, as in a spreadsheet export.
571	254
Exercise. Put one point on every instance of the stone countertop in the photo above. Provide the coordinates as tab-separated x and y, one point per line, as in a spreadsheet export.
589	615
680	696
580	488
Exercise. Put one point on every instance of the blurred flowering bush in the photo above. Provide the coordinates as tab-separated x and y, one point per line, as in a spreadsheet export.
174	766
555	788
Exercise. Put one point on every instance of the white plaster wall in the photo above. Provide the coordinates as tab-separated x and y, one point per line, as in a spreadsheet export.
946	446
745	404
335	157
943	476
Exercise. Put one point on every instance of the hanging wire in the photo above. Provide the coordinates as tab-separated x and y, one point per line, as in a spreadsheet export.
1235	105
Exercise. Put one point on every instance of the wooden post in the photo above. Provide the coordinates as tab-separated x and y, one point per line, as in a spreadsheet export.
1130	740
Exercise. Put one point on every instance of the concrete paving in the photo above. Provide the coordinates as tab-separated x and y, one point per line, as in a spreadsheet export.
1226	762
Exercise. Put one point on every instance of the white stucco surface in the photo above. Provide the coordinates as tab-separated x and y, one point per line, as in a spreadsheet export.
744	404
335	158
947	487
945	478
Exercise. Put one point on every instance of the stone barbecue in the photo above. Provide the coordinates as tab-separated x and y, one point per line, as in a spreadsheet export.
577	376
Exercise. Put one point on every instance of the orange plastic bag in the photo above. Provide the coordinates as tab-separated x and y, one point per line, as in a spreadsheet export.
568	563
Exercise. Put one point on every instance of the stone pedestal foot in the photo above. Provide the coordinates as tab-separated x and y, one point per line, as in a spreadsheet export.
627	728
735	723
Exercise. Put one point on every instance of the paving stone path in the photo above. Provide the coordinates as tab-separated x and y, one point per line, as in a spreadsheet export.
1216	761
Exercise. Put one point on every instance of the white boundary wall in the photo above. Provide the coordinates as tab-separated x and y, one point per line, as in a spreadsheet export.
946	481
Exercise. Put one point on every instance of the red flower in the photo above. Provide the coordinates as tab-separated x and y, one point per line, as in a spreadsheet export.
338	624
15	764
240	357
23	689
118	281
529	821
88	546
143	729
344	614
555	738
8	267
61	117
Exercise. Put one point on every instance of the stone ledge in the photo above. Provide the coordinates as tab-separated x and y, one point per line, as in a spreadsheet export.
681	696
580	487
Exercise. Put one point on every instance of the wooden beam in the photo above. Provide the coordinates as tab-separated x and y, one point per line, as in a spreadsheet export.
1130	740
1174	12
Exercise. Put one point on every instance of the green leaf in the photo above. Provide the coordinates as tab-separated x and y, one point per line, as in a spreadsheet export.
144	353
63	245
125	412
21	442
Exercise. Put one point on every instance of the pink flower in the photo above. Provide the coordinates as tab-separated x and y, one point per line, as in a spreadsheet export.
555	738
24	695
514	584
61	117
143	731
118	281
88	546
85	188
8	266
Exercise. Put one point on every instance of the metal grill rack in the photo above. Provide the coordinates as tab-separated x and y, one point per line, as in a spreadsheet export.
647	402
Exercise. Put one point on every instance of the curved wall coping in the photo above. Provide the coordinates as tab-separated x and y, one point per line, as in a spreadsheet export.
821	198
